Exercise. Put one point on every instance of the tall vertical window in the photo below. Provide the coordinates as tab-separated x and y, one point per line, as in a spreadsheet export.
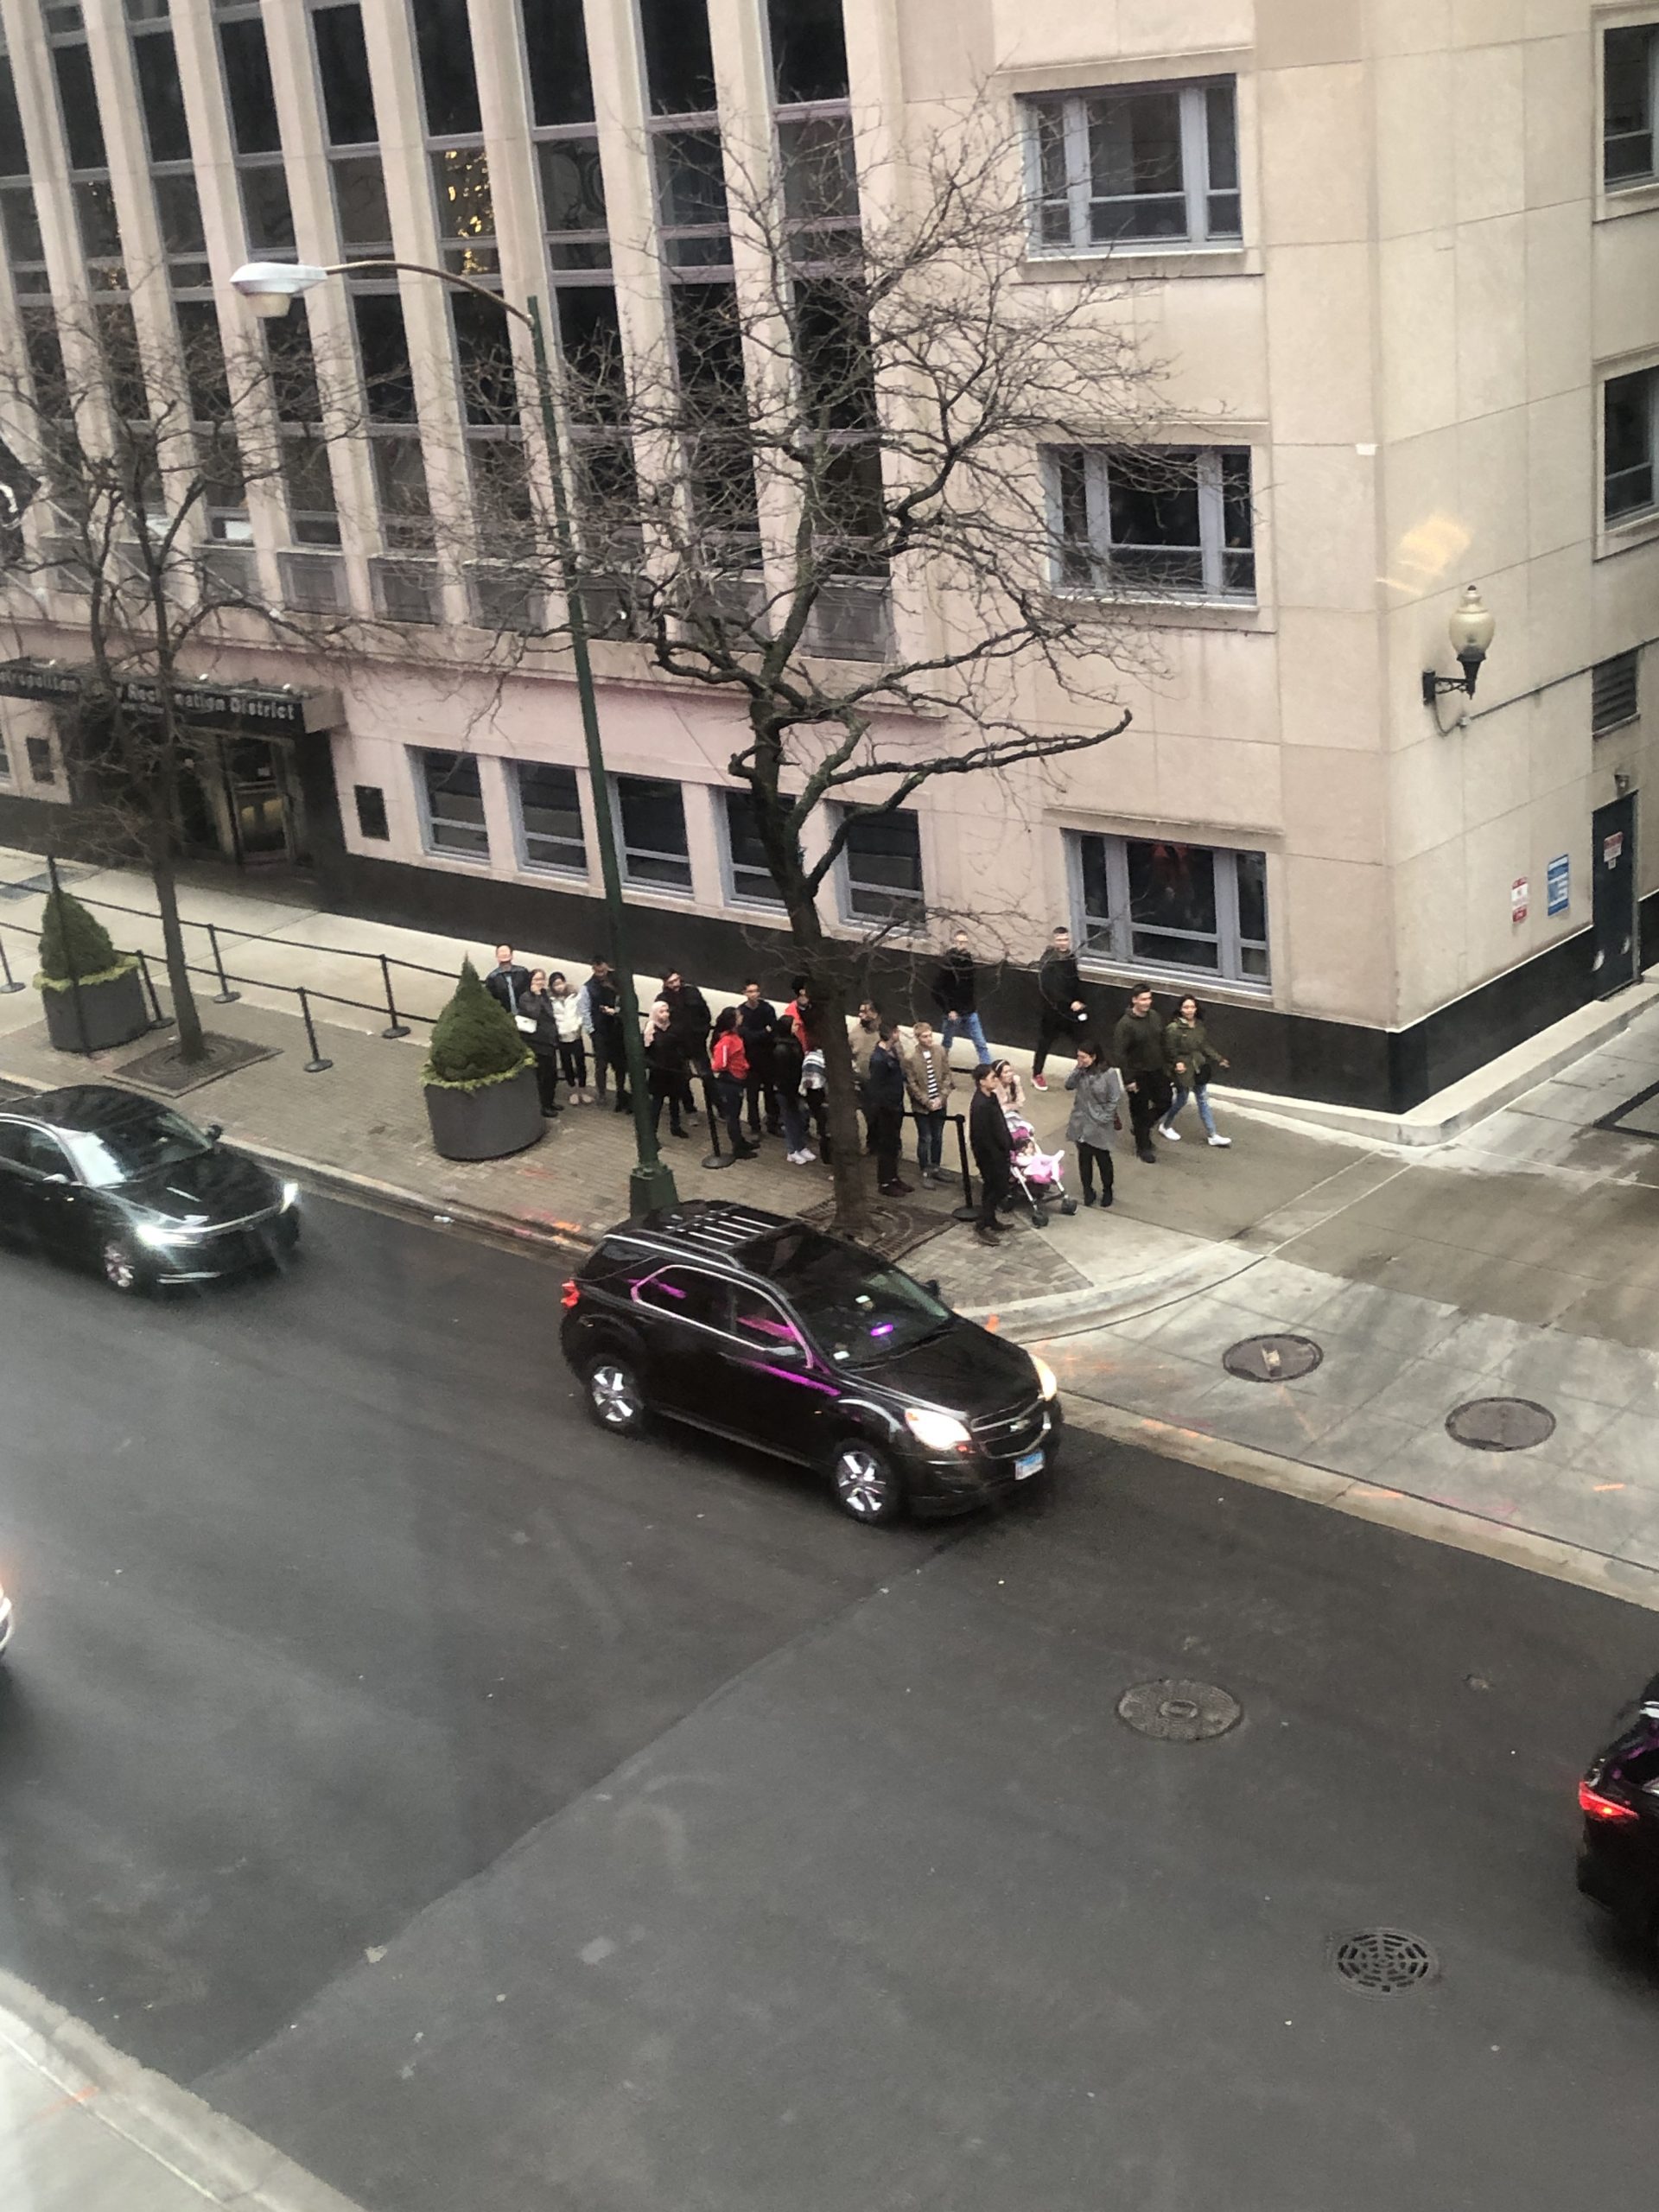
808	50
750	880
650	814
1142	165
549	818
342	57
1629	92
443	41
881	869
394	439
452	805
251	99
1159	904
679	56
313	518
1160	520
20	228
1629	434
161	97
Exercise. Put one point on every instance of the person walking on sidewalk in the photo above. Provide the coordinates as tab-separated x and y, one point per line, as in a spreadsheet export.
508	981
730	1063
928	1079
757	1021
884	1091
573	1048
992	1143
535	1009
601	1017
1143	1057
956	993
1063	1012
1096	1111
665	1068
788	1057
1192	1060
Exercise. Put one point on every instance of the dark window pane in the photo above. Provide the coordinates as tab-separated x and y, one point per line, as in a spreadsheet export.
1096	895
343	69
117	340
556	47
247	82
820	170
180	210
384	350
42	767
1628	404
1627	103
21	225
654	831
679	61
444	41
162	96
204	361
371	811
808	50
309	484
14	155
1252	896
46	363
1220	129
454	802
884	865
361	202
293	367
591	336
461	182
690	180
1154	516
573	189
549	805
270	214
751	877
100	237
400	482
78	97
1171	889
484	347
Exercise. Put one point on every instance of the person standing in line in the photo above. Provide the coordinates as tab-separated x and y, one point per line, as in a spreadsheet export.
884	1089
815	1094
1191	1063
1143	1057
956	993
1063	1012
864	1034
689	1013
730	1063
508	981
1096	1112
600	1005
802	1011
535	1018
991	1140
928	1079
666	1068
788	1056
757	1019
572	1050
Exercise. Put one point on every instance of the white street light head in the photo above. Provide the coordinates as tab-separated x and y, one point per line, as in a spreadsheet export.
268	286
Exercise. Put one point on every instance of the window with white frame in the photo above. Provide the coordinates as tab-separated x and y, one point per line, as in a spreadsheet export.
1134	165
651	816
750	878
452	807
549	818
1629	91
1165	520
1629	433
881	869
1157	904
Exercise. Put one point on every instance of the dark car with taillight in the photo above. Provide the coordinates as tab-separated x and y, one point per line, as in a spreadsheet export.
1619	1851
765	1331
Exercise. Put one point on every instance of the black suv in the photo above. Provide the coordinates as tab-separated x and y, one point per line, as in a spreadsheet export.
1619	1851
760	1328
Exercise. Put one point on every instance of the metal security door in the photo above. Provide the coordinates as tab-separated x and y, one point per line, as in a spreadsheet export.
1612	863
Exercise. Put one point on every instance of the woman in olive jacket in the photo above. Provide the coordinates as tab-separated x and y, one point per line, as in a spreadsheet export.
1096	1112
1192	1060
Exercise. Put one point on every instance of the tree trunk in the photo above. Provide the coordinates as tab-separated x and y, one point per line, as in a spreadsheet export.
829	1007
192	1045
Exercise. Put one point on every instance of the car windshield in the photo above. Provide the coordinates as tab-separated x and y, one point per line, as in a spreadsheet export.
134	1147
858	1310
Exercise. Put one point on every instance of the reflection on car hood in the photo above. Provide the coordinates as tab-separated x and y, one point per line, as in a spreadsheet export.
221	1184
965	1368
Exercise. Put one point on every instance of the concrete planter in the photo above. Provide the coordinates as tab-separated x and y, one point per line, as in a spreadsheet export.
114	1012
487	1124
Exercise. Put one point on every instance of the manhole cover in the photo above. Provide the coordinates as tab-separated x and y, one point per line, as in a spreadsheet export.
1500	1424
1178	1712
1272	1359
1383	1961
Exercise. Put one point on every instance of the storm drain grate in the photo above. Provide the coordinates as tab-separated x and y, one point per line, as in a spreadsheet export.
1178	1712
1272	1359
1501	1424
1383	1961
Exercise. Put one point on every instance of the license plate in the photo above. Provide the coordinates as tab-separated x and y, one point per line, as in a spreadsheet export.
1031	1465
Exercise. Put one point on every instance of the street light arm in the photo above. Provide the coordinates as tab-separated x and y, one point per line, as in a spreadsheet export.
444	276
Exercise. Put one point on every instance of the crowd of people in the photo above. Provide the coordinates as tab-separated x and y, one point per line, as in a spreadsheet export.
764	1067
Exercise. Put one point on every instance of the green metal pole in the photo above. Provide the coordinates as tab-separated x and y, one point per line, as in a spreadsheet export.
651	1183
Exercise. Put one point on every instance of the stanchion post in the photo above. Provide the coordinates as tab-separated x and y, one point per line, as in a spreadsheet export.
225	995
158	1019
316	1064
10	983
715	1157
395	1027
966	1211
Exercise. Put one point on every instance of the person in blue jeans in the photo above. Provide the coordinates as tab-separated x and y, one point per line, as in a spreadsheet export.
1192	1061
956	993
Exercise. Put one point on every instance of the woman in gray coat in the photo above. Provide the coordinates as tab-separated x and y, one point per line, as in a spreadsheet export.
1096	1112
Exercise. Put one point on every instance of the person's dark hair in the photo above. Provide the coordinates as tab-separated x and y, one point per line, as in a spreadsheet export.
1139	990
986	1072
1188	999
885	1031
747	980
725	1019
1061	929
557	976
1093	1046
799	982
599	960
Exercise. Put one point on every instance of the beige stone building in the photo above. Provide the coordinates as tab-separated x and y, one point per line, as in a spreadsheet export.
1400	259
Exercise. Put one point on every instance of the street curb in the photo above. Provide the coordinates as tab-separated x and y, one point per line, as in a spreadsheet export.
1072	1311
1403	1510
219	2158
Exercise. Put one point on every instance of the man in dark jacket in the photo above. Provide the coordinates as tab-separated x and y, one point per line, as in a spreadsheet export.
1063	1012
956	993
602	1008
1142	1050
507	981
992	1142
689	1019
757	1025
884	1092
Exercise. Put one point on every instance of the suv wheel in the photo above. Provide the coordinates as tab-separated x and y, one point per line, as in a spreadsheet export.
865	1486
615	1398
119	1265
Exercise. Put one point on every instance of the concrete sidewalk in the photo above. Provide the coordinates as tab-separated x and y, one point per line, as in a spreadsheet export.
83	2129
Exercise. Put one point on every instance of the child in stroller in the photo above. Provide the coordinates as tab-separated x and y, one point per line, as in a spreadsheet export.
1039	1176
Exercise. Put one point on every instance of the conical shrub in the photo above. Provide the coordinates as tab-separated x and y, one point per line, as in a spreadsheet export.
474	1040
74	943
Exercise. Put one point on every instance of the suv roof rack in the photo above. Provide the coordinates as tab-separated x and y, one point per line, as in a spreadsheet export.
716	1227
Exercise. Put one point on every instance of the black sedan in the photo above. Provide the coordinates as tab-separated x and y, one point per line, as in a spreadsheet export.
1619	1852
761	1329
117	1182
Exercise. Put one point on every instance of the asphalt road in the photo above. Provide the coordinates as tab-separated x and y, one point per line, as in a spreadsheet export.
495	1816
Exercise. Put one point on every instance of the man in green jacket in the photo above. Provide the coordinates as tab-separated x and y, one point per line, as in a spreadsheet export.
1142	1053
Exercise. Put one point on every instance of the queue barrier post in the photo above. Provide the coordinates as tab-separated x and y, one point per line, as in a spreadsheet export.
158	1019
316	1064
715	1157
966	1211
395	1027
224	995
10	984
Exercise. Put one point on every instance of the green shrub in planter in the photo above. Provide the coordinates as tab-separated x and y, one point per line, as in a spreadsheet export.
475	1041
76	948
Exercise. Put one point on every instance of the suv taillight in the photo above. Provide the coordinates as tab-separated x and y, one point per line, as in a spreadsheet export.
1595	1805
572	1292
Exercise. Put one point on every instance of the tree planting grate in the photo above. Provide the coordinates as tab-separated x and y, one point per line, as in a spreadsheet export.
1383	1961
1500	1424
1272	1359
1178	1712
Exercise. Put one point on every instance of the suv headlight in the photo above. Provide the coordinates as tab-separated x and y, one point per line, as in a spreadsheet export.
156	1238
1047	1380
290	1197
936	1432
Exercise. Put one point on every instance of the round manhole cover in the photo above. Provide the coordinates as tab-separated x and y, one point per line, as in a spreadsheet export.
1501	1424
1383	1961
1272	1359
1178	1712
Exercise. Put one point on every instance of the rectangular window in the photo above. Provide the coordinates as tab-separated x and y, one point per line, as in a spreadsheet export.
13	154
1630	85
360	205
549	816
443	40
343	71
1629	407
43	768
251	95
25	250
1150	165
650	814
808	50
679	59
1171	521
161	96
882	864
1615	693
745	857
572	204
1188	910
454	805
555	50
466	206
78	97
381	343
691	199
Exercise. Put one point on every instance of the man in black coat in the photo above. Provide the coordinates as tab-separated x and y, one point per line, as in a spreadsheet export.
508	980
992	1142
884	1092
757	1025
1063	1013
956	993
1141	1051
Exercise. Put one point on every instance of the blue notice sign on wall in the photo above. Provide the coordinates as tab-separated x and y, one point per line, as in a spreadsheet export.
1558	885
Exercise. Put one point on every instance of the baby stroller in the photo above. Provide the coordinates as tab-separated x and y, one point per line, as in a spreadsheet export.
1039	1176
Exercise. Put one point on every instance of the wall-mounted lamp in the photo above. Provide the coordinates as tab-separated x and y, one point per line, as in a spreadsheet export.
1471	631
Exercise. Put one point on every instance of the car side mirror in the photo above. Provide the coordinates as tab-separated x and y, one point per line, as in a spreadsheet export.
213	1131
56	1176
932	1287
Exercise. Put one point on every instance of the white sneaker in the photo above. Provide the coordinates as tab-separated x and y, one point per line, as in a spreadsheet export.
1223	1141
1164	1130
806	1155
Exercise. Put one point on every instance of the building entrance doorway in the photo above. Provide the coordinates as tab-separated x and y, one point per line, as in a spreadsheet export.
1618	959
242	802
